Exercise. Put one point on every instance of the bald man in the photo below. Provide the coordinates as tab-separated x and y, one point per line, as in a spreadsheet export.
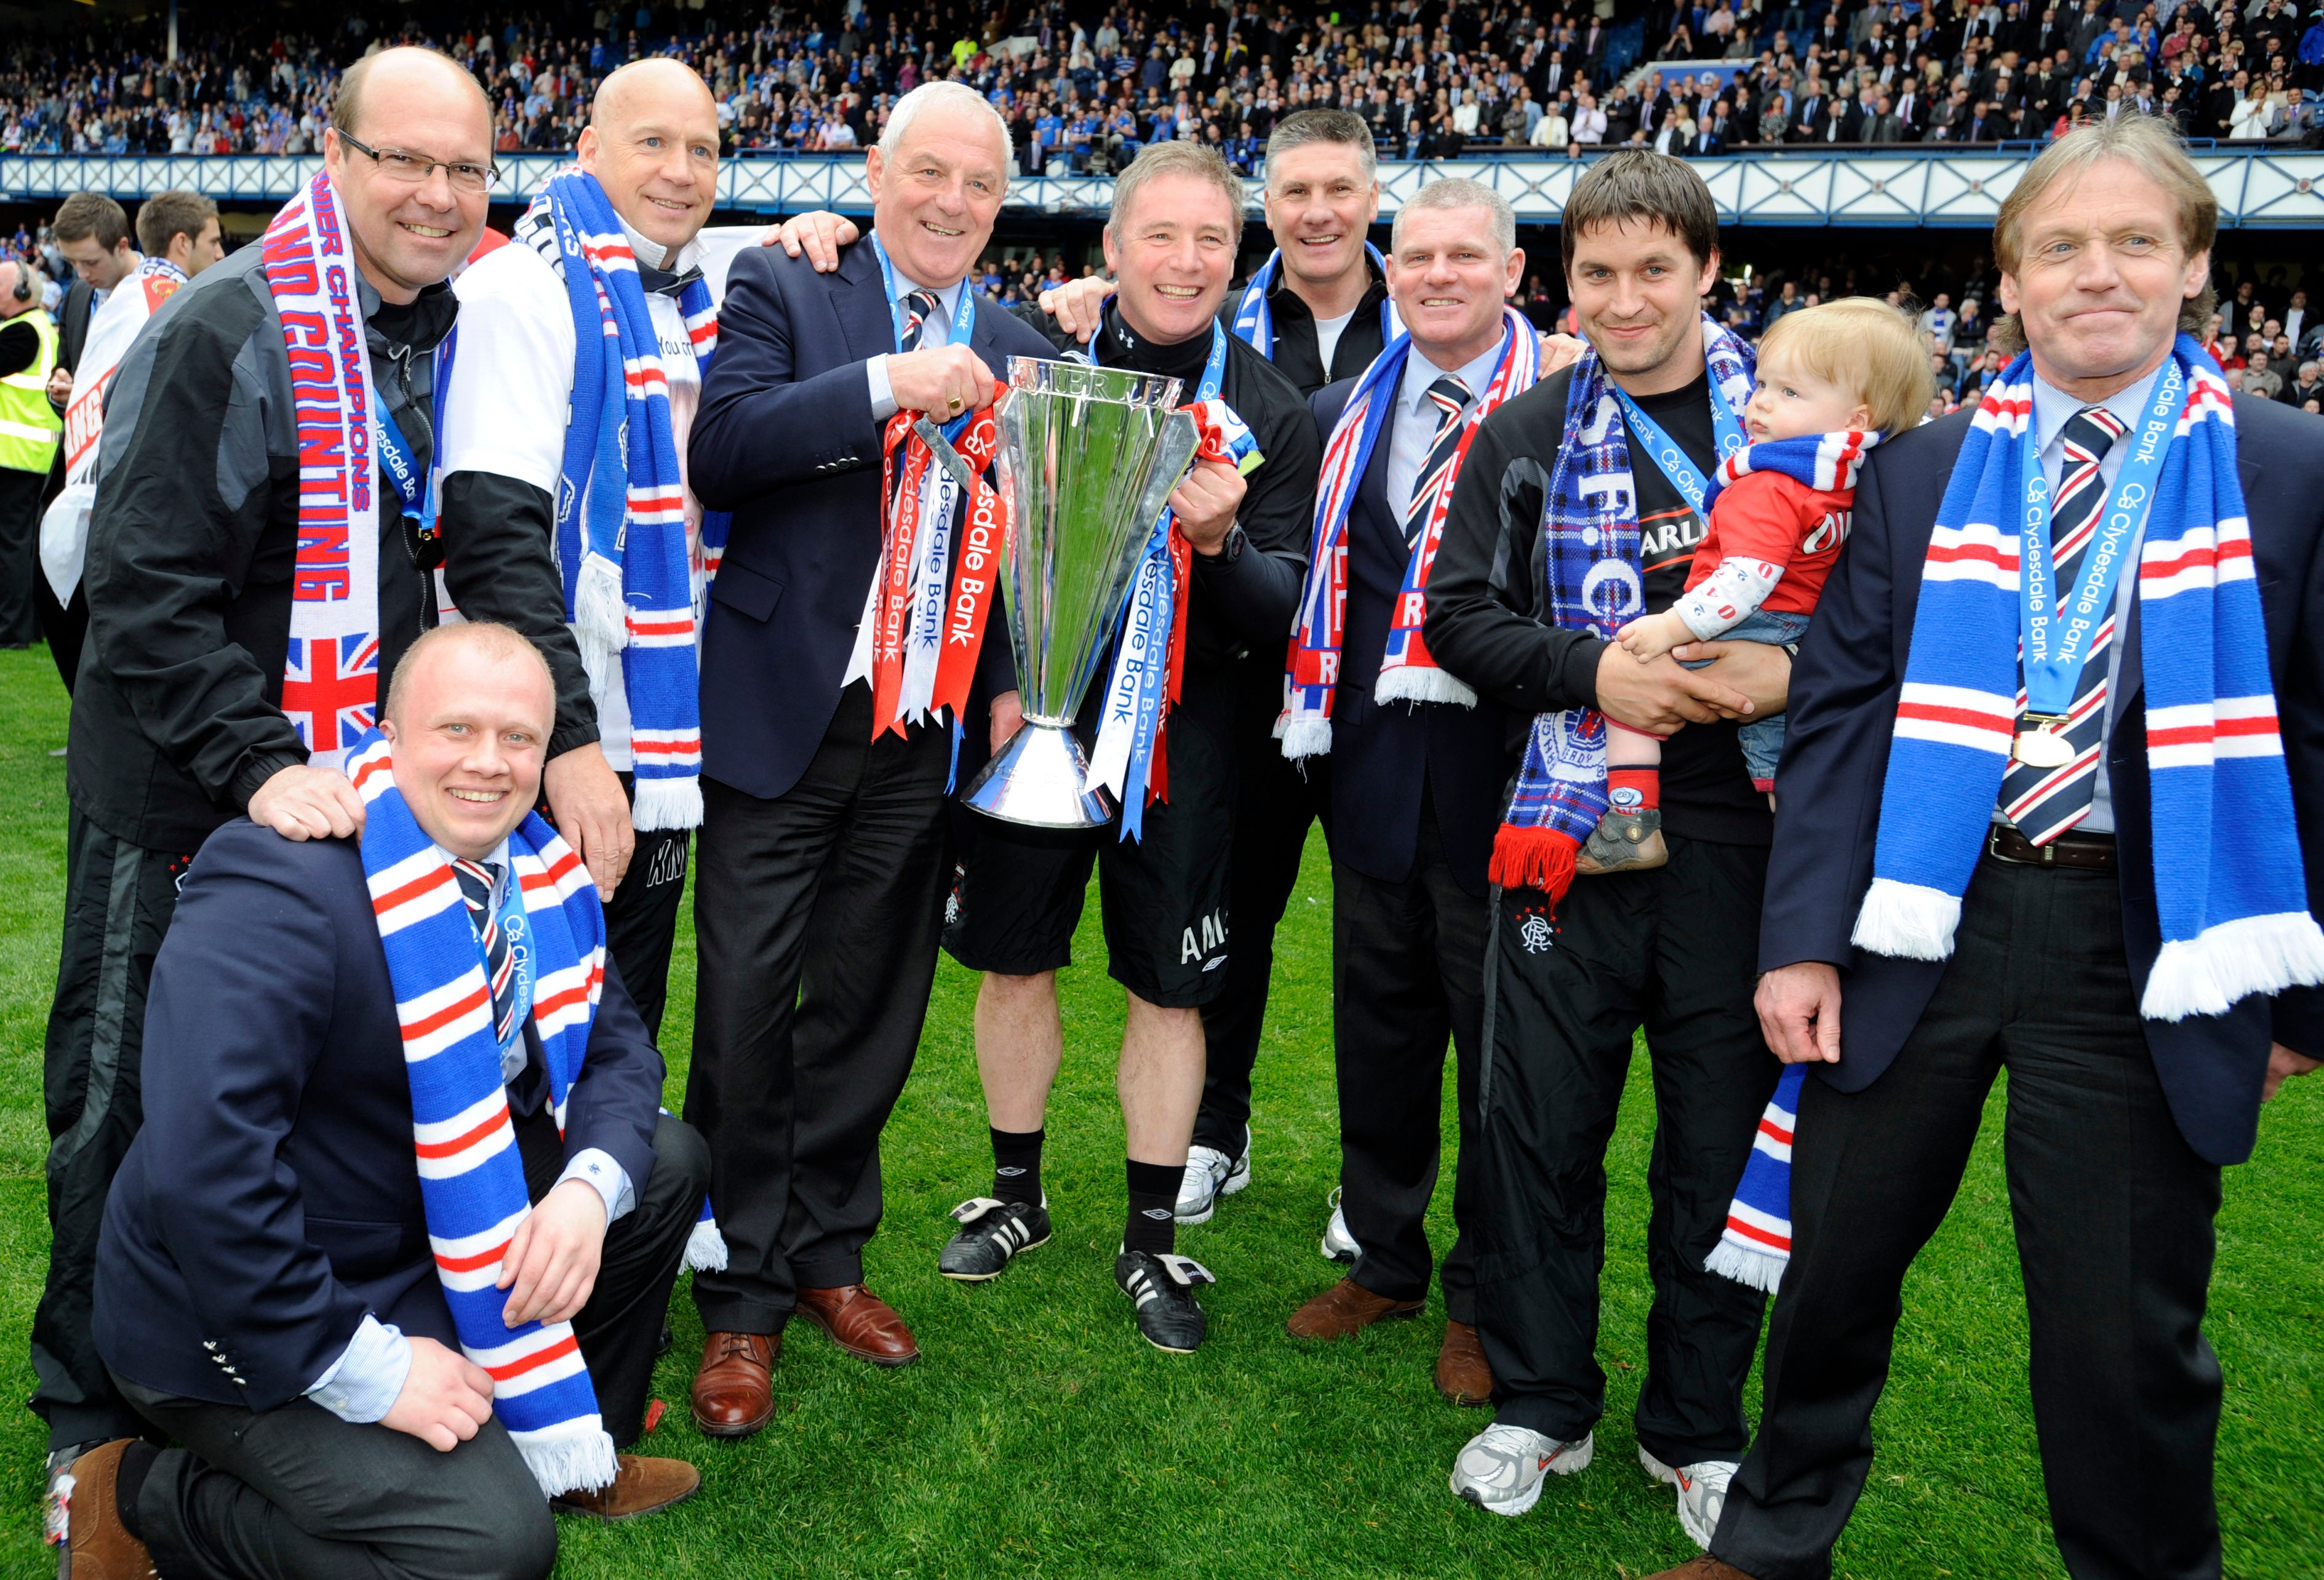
178	720
651	155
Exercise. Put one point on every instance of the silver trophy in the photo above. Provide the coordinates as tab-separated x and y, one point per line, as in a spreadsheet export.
1088	456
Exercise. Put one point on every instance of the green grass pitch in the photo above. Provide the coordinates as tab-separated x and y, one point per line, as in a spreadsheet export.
1040	1436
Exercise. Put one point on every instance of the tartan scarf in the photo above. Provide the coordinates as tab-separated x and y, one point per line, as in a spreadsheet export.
621	498
1407	673
471	1179
2228	885
1590	524
330	671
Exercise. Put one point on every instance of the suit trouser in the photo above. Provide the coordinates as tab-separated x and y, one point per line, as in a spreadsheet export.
1674	949
2113	1213
641	919
298	1491
815	918
20	553
119	898
1408	970
1275	803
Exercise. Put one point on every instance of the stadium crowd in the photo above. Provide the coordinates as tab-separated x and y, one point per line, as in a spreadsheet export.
1085	89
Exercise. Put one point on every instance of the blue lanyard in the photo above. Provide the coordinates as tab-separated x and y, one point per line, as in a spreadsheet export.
964	318
2054	657
415	484
508	912
1674	461
1214	368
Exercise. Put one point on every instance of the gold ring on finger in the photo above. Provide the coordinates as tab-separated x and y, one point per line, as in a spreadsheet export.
954	404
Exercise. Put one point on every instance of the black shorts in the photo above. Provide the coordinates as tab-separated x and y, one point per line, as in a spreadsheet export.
1017	892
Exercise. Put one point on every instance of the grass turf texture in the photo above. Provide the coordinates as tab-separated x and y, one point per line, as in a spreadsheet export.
1040	1436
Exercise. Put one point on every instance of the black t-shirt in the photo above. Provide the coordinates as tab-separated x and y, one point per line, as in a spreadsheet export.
1706	787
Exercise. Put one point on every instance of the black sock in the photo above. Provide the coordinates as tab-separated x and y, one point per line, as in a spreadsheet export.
1153	1223
136	1463
1017	1165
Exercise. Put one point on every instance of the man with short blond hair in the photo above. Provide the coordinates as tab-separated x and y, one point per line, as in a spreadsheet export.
2059	886
1170	241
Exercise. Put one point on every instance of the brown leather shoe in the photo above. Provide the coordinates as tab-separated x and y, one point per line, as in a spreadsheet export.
1346	1308
1705	1567
734	1387
861	1323
102	1547
1462	1374
644	1486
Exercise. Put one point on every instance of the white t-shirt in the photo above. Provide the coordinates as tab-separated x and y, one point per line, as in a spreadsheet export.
1327	336
511	391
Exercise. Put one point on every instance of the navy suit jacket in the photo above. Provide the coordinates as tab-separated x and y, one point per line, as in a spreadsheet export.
1383	755
272	1197
784	438
1843	705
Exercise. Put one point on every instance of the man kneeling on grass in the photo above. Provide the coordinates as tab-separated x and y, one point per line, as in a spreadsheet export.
390	1254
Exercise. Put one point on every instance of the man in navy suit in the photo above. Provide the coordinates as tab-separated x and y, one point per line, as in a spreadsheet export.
265	1290
2118	1125
822	861
1416	797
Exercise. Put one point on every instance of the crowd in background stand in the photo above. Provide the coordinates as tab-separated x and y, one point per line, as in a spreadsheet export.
1084	86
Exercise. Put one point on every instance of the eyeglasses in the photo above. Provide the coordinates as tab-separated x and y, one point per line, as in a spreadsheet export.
411	169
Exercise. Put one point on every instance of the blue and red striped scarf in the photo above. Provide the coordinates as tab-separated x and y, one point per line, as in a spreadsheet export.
471	1178
1407	673
2228	884
1590	524
621	498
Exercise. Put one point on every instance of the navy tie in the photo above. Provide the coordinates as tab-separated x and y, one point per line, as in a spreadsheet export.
919	306
1448	395
477	880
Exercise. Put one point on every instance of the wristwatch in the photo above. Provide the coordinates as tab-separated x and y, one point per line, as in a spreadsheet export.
1230	548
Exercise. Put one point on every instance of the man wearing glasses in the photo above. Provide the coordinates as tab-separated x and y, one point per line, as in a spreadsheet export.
195	564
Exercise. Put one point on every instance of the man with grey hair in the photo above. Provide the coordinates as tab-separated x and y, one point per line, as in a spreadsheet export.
822	858
1170	240
1417	768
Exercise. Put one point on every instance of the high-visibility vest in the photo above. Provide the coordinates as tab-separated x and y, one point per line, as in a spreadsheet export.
30	428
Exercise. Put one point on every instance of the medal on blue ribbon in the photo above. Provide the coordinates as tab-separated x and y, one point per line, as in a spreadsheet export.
1673	460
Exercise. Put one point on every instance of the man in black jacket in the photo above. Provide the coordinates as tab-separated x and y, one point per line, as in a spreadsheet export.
1171	239
1667	949
265	1290
177	725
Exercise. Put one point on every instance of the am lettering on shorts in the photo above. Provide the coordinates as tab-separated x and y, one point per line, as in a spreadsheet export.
1204	938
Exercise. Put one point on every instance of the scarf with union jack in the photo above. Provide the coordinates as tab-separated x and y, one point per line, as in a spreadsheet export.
471	1178
2228	884
621	498
1407	673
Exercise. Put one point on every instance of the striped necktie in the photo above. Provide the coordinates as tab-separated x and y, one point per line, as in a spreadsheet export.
919	306
477	880
1448	395
2045	802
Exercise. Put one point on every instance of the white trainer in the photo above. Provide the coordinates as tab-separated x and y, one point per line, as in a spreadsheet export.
1502	1468
1210	1175
1339	1246
1701	1491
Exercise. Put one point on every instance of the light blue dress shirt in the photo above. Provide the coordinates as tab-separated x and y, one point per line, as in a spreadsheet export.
1415	418
2052	409
936	331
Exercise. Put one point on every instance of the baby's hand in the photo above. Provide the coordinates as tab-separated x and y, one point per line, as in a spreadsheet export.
1648	638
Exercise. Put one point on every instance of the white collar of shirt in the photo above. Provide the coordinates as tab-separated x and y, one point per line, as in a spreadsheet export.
1419	373
947	299
2053	409
650	253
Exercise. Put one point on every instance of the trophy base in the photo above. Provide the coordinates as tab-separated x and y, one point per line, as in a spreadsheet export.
1041	779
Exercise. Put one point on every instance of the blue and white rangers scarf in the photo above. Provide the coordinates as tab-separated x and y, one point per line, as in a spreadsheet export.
1254	320
471	1178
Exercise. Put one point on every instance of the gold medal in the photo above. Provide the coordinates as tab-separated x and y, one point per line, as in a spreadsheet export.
2043	748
